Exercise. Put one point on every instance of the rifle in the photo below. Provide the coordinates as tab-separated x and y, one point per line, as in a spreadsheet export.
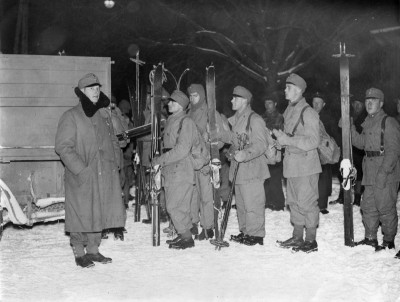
219	241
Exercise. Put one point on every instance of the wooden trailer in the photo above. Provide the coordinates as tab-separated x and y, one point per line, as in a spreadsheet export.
34	92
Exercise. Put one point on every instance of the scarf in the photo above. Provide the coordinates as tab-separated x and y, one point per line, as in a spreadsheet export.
88	107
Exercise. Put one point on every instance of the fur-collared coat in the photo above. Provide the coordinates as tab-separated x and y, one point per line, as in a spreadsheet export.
89	149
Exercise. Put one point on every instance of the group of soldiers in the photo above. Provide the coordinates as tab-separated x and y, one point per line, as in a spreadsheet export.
258	183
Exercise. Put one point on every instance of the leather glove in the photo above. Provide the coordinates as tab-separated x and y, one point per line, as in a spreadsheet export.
240	156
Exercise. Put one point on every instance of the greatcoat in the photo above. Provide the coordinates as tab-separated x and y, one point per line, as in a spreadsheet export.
90	152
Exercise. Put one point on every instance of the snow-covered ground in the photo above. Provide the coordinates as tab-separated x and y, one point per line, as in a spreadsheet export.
37	265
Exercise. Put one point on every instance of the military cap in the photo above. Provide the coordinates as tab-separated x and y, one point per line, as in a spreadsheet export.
296	80
242	92
374	93
180	97
320	95
88	80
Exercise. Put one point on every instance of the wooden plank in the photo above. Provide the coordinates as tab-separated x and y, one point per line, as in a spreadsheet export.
39	102
80	64
34	92
9	155
29	126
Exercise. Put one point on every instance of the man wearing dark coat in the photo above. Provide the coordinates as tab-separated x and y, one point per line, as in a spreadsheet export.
89	149
275	200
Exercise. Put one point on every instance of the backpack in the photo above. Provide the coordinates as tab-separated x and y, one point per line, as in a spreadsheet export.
273	155
328	150
200	155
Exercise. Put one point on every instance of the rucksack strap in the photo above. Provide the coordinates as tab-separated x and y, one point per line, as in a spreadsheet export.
299	120
179	129
248	123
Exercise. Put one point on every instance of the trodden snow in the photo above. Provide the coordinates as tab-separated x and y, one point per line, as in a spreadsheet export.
37	264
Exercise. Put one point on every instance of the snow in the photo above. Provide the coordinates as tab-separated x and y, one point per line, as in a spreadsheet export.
37	264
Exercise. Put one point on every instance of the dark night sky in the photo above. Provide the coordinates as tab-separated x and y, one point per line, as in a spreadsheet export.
87	28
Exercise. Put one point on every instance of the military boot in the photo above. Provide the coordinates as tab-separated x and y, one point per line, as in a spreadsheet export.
252	240
385	245
84	262
238	238
194	229
182	244
368	241
98	258
397	255
306	247
171	241
290	243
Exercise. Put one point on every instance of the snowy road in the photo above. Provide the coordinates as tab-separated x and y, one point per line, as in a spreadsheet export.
37	265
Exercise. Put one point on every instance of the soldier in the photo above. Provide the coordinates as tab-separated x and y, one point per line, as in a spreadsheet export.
90	152
380	138
301	166
398	110
177	168
253	168
202	200
275	200
325	178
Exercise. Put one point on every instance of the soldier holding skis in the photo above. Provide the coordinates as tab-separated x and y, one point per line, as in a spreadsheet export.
301	166
380	139
253	168
177	167
202	200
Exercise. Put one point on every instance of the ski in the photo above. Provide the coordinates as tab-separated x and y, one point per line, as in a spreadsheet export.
155	185
215	163
346	165
219	240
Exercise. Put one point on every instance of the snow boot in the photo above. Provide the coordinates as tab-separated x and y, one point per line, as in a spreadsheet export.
182	244
306	247
119	234
237	238
205	234
84	262
98	258
397	255
385	245
194	229
176	239
104	234
368	241
290	243
252	240
324	211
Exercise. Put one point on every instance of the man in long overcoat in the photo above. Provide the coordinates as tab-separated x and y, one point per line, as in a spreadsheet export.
89	149
301	166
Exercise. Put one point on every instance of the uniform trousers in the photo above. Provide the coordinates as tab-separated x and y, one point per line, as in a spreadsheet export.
302	198
202	201
80	240
379	205
250	206
178	197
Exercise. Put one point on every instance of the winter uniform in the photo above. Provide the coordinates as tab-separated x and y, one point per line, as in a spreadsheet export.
252	172
202	200
90	152
381	174
301	167
177	169
275	199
